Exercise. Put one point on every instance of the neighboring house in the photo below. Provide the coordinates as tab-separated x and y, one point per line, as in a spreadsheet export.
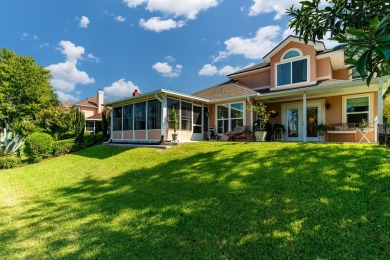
306	85
92	109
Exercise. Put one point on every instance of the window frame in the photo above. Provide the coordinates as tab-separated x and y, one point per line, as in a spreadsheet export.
130	119
291	60
117	120
370	106
229	119
137	122
153	120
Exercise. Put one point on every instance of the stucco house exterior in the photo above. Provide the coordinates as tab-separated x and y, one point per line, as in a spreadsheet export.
306	84
92	108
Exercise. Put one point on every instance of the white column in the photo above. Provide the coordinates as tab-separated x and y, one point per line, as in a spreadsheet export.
304	117
380	103
94	127
164	119
112	124
146	120
122	122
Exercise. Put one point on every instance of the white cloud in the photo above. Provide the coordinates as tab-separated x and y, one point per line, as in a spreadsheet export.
84	21
120	89
188	8
66	97
120	18
254	48
212	70
92	57
167	70
266	6
65	75
158	25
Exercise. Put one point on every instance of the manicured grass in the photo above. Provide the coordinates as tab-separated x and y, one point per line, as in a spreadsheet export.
201	200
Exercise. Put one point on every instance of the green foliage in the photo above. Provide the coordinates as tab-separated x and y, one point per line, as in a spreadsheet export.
55	120
261	111
87	133
91	140
38	146
175	120
362	27
79	124
24	127
63	147
10	143
8	162
386	108
24	88
106	123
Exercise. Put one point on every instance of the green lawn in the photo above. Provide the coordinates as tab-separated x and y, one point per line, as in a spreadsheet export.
201	200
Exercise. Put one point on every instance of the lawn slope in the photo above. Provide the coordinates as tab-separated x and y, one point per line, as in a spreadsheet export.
200	200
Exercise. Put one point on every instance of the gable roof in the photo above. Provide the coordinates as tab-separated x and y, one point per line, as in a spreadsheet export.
251	69
318	46
66	104
226	90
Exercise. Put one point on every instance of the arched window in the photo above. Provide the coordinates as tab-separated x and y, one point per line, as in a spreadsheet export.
291	54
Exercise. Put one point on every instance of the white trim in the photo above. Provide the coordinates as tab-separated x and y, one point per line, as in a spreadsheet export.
246	73
229	115
380	103
291	75
324	78
293	86
370	106
291	49
304	117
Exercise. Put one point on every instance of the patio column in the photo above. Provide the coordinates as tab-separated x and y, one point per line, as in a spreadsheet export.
94	127
304	117
112	124
164	118
380	102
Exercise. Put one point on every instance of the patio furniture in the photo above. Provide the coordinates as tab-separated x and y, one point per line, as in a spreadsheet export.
237	131
342	129
364	132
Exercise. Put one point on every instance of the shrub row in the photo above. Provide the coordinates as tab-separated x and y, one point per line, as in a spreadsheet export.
8	162
63	147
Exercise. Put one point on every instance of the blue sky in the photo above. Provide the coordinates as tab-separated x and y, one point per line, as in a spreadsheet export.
120	45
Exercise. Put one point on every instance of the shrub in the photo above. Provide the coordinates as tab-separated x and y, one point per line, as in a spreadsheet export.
38	146
8	162
63	147
91	140
87	133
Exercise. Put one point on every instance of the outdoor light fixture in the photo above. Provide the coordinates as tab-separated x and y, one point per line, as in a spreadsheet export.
327	105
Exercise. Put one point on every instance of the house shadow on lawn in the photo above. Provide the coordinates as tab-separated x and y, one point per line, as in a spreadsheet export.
292	202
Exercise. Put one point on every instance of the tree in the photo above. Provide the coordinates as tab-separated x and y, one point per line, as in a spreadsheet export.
362	28
24	88
56	120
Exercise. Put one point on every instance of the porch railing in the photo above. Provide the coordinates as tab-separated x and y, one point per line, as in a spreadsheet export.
384	134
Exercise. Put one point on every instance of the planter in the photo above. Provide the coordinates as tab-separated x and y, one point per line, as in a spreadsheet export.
321	132
260	136
365	130
174	137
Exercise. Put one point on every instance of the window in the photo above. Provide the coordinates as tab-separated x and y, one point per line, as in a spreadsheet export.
128	117
229	116
293	69
117	119
205	119
357	109
172	103
154	114
140	116
186	116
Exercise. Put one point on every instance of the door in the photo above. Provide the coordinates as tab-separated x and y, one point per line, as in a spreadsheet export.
293	120
197	119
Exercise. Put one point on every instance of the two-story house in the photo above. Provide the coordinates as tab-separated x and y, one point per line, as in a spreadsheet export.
306	85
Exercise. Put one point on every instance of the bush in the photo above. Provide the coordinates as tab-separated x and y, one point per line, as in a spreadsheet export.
38	146
63	147
91	140
8	162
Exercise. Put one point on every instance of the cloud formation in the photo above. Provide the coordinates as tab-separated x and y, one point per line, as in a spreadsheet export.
253	48
65	75
212	70
266	6
166	70
120	18
158	25
84	21
171	9
120	89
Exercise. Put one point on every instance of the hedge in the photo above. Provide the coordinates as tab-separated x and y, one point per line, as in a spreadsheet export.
38	146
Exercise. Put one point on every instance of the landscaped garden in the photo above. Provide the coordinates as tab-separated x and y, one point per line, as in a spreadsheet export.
200	200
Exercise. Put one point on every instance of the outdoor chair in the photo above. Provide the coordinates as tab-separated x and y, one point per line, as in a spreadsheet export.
237	131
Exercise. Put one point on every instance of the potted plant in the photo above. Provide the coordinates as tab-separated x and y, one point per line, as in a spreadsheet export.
175	123
278	131
321	128
364	125
262	120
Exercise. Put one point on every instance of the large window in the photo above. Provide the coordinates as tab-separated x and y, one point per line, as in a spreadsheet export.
128	117
186	116
229	116
140	116
172	103
154	114
117	118
357	109
292	69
